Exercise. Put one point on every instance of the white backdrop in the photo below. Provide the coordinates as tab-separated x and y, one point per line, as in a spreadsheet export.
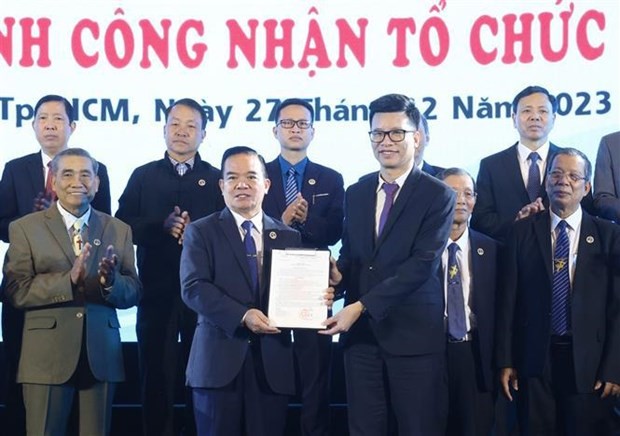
462	61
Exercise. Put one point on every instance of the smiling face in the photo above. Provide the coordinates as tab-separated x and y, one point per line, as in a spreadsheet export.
534	118
244	184
394	157
183	132
463	186
566	185
75	183
52	127
294	138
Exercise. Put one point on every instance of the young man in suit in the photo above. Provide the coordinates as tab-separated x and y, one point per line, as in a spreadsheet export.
470	283
510	183
558	320
160	199
309	197
606	179
26	187
397	222
240	367
69	267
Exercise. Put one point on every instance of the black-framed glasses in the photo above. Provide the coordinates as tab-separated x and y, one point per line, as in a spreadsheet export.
289	124
396	135
557	175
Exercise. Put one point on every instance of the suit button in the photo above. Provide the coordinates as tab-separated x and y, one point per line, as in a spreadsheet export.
79	315
370	268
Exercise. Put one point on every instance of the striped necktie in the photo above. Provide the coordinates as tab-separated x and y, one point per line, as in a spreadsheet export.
290	191
560	296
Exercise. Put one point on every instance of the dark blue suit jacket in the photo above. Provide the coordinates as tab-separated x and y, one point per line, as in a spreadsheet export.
22	180
523	316
502	193
395	276
323	189
431	169
484	263
216	283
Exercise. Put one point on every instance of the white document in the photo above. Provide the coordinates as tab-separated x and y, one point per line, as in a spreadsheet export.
299	279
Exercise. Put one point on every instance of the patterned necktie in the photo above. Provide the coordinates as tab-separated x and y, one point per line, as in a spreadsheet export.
181	168
76	237
49	192
390	191
457	327
560	302
250	252
533	178
290	191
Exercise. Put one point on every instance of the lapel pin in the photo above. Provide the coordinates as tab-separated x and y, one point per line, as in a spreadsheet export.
590	239
312	182
480	251
97	242
273	235
202	182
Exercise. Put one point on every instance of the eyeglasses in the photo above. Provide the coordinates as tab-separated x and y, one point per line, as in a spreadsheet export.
396	135
469	195
289	124
557	175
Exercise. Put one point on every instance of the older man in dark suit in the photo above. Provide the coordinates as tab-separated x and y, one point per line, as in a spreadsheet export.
397	222
26	187
558	321
69	267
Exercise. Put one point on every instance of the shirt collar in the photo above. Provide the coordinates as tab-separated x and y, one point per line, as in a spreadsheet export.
45	159
463	241
257	220
285	165
400	181
69	219
524	152
189	161
573	221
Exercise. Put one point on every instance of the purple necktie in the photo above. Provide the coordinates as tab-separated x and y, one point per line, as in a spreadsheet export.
390	190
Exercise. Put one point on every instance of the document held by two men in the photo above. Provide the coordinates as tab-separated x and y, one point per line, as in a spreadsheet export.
299	279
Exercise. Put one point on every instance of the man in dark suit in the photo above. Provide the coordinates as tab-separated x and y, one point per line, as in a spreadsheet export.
240	367
315	208
425	138
25	187
510	183
69	267
606	179
160	199
470	282
558	320
397	223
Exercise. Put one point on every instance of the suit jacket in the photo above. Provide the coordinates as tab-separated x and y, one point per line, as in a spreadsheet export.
22	180
323	188
484	262
606	179
216	283
502	193
39	261
395	276
523	317
149	197
431	169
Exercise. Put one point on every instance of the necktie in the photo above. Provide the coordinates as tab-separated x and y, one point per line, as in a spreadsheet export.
457	327
76	237
290	191
181	168
250	252
533	178
49	193
390	190
560	303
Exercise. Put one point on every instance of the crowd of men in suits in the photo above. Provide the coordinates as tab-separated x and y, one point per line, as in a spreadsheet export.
471	307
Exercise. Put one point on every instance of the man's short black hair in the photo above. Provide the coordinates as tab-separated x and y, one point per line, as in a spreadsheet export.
191	103
294	102
395	103
54	97
534	90
242	149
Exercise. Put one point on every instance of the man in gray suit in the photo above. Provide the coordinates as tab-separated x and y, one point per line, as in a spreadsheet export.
69	267
606	181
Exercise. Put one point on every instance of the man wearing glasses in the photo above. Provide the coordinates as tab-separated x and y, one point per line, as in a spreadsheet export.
397	222
558	320
308	197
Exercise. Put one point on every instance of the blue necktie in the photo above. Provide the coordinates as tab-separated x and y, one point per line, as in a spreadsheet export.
560	302
290	191
533	179
250	252
457	327
390	191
